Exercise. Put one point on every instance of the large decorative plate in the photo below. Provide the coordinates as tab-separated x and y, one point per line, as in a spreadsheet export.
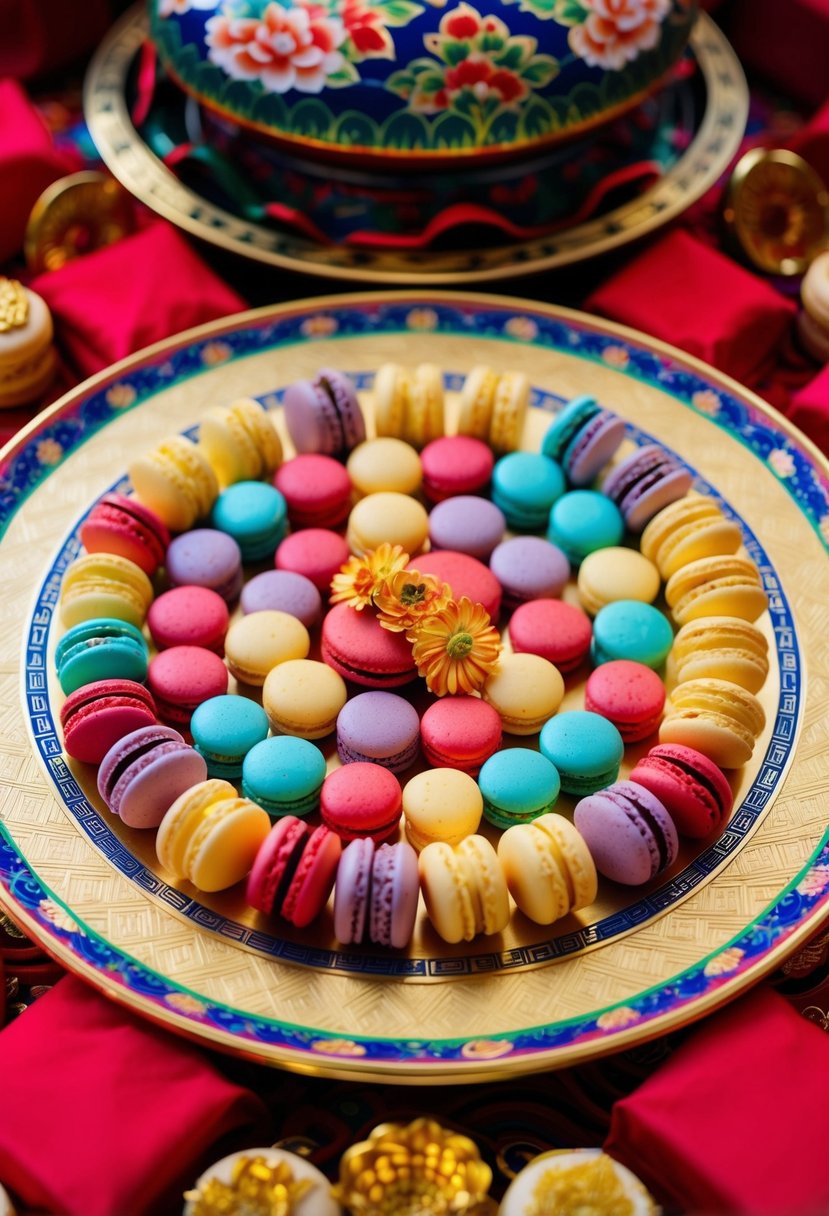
634	965
710	120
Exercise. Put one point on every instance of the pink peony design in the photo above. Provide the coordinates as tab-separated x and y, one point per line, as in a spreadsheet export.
615	31
166	8
288	48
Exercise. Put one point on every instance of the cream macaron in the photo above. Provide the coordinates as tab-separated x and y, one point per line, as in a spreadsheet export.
722	647
257	642
104	585
391	517
386	463
27	356
441	804
240	441
211	836
692	527
409	405
526	690
616	573
303	697
729	585
548	868
177	481
464	889
493	407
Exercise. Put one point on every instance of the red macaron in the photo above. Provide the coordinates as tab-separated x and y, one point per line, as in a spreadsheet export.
316	553
455	464
361	799
460	732
97	715
628	694
694	791
121	525
189	616
465	575
294	871
555	630
317	490
357	646
182	677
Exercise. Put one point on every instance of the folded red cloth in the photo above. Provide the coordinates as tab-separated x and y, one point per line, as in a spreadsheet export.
40	35
29	162
787	43
116	300
809	409
696	298
812	142
736	1120
104	1113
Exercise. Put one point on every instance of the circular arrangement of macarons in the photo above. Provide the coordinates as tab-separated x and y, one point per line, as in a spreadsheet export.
424	601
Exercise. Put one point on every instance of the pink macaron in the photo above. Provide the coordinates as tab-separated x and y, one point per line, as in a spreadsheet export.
695	791
143	773
361	799
316	553
317	490
465	575
555	630
628	694
121	525
357	646
455	464
97	715
182	677
376	893
189	616
460	732
294	871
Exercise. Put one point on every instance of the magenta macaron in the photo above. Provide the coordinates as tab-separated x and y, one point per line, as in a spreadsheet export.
630	835
378	728
143	773
294	871
122	525
460	732
316	553
695	791
376	893
628	694
647	480
189	616
465	575
206	557
324	414
558	631
317	490
361	800
357	646
182	677
97	715
455	464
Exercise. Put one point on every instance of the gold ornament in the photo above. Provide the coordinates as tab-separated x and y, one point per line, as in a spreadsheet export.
257	1188
419	1169
76	215
14	305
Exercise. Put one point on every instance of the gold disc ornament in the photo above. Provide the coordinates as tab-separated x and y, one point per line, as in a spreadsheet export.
76	215
777	210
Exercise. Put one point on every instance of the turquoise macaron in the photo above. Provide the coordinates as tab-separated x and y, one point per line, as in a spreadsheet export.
582	521
586	749
518	784
525	485
255	514
101	649
224	730
284	775
629	629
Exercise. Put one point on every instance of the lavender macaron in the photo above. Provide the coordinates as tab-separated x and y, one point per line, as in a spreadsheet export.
323	414
467	524
142	774
375	893
647	480
206	557
529	568
583	437
378	728
283	591
630	835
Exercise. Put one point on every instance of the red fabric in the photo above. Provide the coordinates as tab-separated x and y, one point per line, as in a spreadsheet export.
29	162
736	1120
694	297
809	409
812	142
788	44
105	1113
116	300
40	35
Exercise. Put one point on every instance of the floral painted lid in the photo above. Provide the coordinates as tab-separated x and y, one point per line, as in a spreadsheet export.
407	82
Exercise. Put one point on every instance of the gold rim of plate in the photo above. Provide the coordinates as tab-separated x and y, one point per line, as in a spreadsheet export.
479	1010
143	174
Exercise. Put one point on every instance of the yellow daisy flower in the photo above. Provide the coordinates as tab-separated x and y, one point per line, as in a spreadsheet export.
361	578
409	596
457	648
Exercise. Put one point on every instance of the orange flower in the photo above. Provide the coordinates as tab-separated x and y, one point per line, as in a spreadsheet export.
409	596
457	648
361	578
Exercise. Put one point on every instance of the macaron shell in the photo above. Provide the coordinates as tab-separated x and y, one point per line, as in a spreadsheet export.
630	835
465	575
630	695
693	789
315	553
593	447
647	480
260	641
616	573
395	887
317	490
548	868
509	409
691	528
283	591
380	727
517	785
441	804
424	417
97	715
122	525
582	521
529	568
385	463
485	878
223	850
189	616
477	401
351	890
357	646
277	855
100	649
721	720
176	481
716	586
144	796
388	517
104	585
525	690
303	697
182	677
361	800
224	730
585	748
183	817
206	557
284	775
254	514
446	893
240	441
455	464
460	732
722	648
313	878
467	524
553	629
629	629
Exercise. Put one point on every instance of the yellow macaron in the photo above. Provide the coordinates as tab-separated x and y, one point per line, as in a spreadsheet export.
464	889
441	804
27	355
382	464
493	407
176	480
409	405
240	441
526	690
104	585
729	585
616	573
211	836
257	642
719	719
302	697
387	516
723	648
548	868
690	528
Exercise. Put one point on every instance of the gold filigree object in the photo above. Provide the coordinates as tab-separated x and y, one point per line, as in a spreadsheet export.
257	1187
14	305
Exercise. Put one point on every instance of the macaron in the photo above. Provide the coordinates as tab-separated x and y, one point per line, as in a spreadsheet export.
460	732
27	353
240	441
408	403
582	521
717	718
210	836
375	893
294	871
525	485
629	694
361	799
104	585
529	568
557	1175
693	789
582	438
122	525
357	646
548	868
385	463
315	553
629	629
441	804
189	616
144	772
554	629
586	749
284	775
518	785
464	889
283	591
303	697
467	524
630	835
317	490
182	677
378	728
616	573
324	414
224	730
525	690
206	557
722	647
455	464
693	527
388	516
96	715
493	406
729	585
255	515
176	481
645	482
259	641
465	575
102	648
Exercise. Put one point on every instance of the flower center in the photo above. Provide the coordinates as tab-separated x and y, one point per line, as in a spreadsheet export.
459	645
413	593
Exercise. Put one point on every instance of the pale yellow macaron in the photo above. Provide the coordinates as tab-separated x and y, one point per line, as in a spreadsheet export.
240	441
441	804
464	889
302	697
722	647
730	585
526	690
493	407
104	585
409	405
388	516
616	573
548	868
692	527
211	836
257	642
175	480
27	355
477	402
719	719
382	464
